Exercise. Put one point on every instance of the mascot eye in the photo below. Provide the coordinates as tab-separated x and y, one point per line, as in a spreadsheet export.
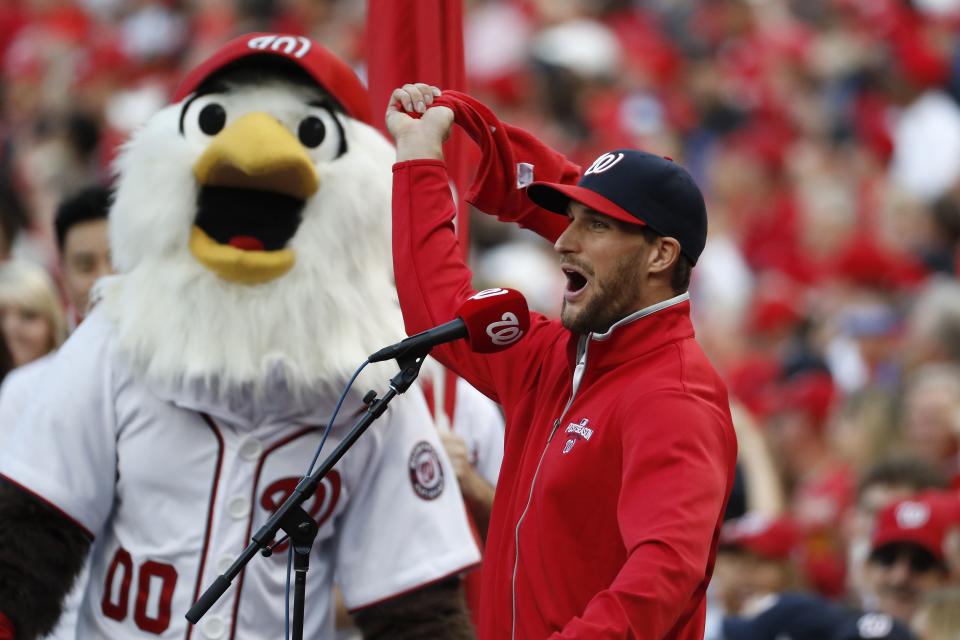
212	118
205	116
312	131
321	133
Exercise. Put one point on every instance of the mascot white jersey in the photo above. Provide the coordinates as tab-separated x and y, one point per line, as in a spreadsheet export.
251	234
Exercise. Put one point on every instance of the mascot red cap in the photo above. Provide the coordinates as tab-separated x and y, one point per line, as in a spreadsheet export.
330	72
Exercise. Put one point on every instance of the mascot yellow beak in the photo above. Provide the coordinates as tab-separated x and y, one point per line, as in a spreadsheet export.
254	158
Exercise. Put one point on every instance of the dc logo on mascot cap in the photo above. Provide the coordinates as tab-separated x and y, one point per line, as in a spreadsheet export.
603	163
289	44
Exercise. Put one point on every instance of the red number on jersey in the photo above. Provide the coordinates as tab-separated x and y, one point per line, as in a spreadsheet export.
116	608
168	580
116	600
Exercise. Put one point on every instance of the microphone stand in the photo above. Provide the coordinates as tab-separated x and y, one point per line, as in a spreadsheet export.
291	517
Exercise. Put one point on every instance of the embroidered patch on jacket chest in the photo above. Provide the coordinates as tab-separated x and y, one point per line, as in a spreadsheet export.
576	432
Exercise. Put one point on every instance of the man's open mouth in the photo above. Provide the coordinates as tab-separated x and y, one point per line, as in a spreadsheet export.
248	219
575	279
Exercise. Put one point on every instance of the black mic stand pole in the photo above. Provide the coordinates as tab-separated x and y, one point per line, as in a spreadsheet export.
291	517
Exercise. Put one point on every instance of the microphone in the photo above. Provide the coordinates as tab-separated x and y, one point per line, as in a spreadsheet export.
490	320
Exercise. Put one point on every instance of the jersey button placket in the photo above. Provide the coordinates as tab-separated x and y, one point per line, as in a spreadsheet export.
238	507
214	627
250	449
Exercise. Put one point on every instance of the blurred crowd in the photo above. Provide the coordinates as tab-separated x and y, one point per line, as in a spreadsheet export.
826	137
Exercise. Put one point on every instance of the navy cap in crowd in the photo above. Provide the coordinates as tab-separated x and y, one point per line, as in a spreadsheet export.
794	615
639	188
873	625
797	616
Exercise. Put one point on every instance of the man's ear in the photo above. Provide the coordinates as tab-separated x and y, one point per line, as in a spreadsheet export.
664	254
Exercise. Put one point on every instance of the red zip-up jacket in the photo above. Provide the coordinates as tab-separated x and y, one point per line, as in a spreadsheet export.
619	453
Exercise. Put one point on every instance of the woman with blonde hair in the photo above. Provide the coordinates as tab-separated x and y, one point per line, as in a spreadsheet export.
32	321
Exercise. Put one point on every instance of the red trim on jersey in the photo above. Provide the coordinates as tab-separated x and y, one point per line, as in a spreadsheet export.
39	497
427	387
424	585
450	395
213	498
253	504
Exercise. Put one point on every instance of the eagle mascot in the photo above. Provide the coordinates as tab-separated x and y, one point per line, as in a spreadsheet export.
250	232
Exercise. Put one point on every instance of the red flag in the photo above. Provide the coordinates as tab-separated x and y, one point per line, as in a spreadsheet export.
419	41
422	41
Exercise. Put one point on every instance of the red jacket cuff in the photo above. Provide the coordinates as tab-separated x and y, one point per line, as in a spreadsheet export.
417	162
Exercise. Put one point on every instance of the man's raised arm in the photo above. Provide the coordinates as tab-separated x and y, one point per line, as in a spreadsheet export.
432	279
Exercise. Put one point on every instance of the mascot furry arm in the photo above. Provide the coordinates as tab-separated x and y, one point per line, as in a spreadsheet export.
41	554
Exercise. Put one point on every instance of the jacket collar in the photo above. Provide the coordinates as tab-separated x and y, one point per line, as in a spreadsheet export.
639	333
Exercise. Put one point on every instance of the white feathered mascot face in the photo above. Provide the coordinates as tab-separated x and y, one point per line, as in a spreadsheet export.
251	226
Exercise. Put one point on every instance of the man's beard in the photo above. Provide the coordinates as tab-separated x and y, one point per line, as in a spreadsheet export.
609	301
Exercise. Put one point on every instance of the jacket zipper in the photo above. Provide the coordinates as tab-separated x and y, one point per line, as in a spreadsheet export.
577	376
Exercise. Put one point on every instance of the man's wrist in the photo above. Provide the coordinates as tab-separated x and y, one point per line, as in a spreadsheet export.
415	147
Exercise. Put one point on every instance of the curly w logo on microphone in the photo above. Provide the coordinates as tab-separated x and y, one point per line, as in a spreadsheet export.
495	319
489	293
506	331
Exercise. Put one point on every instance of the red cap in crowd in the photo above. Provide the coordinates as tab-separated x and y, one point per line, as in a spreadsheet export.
864	261
923	520
811	393
750	380
329	71
777	305
771	538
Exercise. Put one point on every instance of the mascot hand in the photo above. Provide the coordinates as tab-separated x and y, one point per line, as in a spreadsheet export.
421	136
6	628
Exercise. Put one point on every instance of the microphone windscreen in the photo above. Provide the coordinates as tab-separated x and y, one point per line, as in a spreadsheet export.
495	319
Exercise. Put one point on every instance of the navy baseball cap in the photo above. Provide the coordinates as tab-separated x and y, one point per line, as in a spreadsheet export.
794	615
873	625
639	188
800	616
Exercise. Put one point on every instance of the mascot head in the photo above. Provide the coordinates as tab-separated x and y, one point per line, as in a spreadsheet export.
251	226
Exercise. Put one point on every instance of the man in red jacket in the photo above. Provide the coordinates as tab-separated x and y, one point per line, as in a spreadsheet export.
620	452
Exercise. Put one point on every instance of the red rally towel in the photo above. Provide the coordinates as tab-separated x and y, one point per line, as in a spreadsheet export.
512	159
